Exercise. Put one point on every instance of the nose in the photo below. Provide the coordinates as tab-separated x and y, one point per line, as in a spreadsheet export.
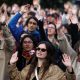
31	24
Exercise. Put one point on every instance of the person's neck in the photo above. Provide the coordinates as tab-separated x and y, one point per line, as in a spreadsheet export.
50	36
25	50
29	30
40	62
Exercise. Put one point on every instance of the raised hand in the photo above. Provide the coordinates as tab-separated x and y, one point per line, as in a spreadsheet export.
14	58
58	23
74	19
24	9
66	60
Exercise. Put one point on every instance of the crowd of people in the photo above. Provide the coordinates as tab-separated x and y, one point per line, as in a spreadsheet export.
39	44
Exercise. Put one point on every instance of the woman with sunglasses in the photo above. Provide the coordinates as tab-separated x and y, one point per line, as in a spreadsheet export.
41	67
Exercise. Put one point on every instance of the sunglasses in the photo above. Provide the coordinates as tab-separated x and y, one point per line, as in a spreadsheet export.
41	49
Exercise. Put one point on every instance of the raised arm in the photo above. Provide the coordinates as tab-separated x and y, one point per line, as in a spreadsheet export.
41	30
17	31
65	46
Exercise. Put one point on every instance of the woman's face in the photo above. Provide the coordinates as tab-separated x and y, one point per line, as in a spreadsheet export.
41	51
27	44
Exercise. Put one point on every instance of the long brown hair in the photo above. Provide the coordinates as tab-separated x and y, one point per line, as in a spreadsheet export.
49	60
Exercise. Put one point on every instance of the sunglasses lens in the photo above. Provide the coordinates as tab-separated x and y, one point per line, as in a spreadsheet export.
42	49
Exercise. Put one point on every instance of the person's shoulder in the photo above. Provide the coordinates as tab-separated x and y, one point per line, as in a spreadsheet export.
54	67
24	72
36	32
55	70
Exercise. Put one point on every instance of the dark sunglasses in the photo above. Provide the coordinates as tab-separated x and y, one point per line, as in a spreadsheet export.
42	49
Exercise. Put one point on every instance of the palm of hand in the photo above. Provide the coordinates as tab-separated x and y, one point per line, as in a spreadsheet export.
66	60
14	58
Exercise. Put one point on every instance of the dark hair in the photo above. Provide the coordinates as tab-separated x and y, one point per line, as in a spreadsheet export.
27	36
32	13
32	17
21	60
49	60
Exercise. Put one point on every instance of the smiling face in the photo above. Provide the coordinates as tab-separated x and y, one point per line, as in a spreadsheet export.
27	44
41	51
32	24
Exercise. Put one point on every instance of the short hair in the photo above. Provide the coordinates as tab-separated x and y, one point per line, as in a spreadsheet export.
32	17
32	13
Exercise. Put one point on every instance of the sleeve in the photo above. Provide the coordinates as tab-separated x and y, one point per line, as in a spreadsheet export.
70	76
14	74
65	47
18	75
16	31
55	73
73	31
42	32
10	43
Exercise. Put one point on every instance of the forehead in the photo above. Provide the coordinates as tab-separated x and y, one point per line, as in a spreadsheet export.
42	46
27	39
51	26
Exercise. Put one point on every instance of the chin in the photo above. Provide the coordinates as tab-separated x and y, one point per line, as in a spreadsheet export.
39	57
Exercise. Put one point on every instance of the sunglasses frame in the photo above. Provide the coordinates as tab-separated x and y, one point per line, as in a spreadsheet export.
41	49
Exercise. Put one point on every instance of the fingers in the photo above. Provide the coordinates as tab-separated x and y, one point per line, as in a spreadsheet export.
14	58
63	61
66	60
66	57
24	9
15	54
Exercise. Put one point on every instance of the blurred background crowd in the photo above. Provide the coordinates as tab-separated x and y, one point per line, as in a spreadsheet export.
25	23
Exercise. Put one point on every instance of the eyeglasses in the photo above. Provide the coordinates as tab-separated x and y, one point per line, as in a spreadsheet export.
30	22
28	42
42	49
